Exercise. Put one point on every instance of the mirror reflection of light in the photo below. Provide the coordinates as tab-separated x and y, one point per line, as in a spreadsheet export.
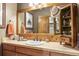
37	5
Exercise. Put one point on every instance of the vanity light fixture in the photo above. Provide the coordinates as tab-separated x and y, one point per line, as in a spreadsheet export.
37	5
55	11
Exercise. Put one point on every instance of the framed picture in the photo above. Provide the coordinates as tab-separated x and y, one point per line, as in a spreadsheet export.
29	21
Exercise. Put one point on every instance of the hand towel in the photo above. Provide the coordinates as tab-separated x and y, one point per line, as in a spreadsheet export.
23	30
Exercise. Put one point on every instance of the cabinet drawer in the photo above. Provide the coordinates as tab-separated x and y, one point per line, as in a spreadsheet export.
20	54
57	54
31	51
9	47
8	53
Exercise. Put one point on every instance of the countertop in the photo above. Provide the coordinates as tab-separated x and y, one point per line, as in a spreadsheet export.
48	46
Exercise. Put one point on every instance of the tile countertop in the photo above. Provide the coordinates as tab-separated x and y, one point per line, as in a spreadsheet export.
48	46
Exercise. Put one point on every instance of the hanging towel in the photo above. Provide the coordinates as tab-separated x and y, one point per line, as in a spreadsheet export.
9	30
23	30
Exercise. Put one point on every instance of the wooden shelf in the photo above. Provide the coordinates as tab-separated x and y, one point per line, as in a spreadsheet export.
51	23
67	17
67	26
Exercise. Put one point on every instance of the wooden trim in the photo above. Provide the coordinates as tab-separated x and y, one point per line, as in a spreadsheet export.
17	23
48	5
74	25
66	6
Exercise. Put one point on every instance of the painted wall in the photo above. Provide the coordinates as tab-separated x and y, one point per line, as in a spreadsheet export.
11	9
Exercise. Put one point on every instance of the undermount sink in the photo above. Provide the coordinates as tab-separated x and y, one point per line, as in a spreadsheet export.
32	42
29	42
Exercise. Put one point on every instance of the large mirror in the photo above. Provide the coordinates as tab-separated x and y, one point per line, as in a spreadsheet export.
42	20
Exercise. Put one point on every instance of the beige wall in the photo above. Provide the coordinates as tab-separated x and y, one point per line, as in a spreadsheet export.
11	9
78	17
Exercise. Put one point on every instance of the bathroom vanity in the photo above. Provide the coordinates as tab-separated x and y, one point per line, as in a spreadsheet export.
50	30
40	26
21	48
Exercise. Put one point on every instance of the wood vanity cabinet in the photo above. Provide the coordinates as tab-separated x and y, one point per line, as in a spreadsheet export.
19	50
8	50
31	51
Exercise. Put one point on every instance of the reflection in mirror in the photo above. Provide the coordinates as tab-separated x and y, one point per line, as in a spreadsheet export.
57	25
51	25
43	24
29	22
20	21
55	19
40	21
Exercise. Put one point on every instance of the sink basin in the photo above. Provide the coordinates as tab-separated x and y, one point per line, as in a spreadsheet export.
32	42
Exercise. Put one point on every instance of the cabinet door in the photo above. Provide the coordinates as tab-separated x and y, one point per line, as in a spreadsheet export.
8	53
10	47
57	54
31	51
9	50
20	54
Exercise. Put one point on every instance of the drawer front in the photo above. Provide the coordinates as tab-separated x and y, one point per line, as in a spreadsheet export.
30	51
20	54
9	47
8	53
57	54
